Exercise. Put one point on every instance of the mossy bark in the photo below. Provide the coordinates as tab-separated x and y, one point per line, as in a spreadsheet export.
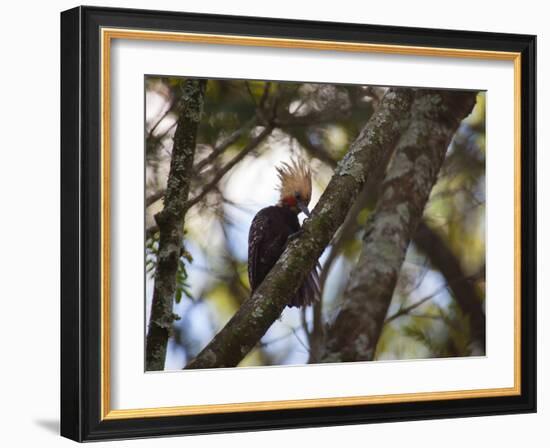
257	313
435	117
170	223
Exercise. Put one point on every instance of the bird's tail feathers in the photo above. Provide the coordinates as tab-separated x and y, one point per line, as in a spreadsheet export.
309	292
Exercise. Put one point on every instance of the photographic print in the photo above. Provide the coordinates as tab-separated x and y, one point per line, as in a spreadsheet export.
235	169
343	212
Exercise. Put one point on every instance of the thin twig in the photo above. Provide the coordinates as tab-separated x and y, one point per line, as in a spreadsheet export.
406	310
224	145
151	199
295	333
277	339
217	151
252	144
164	115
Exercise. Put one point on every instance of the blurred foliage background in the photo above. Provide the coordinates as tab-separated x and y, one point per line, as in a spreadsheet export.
234	179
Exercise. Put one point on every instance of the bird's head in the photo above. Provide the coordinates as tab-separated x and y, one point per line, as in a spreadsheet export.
295	186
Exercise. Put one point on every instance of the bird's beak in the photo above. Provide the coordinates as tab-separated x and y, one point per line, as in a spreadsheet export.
303	208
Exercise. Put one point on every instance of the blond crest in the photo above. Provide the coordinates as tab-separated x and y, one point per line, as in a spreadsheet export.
295	178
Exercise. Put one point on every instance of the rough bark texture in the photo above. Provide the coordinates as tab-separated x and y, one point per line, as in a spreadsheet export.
257	313
435	116
170	223
464	292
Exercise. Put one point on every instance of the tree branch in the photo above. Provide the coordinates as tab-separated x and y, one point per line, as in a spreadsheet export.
154	197
435	117
267	302
230	140
464	292
250	146
170	222
404	311
226	143
317	334
317	151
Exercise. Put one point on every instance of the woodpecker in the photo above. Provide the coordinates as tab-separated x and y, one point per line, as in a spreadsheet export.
274	226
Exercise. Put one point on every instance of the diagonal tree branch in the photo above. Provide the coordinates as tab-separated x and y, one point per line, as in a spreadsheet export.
170	222
405	311
435	117
154	197
265	305
226	143
464	292
215	153
250	146
314	150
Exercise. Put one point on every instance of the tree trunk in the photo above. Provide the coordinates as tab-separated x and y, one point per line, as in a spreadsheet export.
258	312
170	223
435	117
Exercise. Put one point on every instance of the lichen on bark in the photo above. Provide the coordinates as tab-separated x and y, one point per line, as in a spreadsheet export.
170	223
245	329
435	117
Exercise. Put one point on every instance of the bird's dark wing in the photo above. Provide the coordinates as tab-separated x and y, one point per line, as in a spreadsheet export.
269	234
266	242
255	239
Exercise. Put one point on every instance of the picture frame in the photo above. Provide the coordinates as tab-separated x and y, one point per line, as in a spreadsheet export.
86	209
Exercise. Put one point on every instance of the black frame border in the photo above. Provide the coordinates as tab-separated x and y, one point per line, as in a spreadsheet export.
81	223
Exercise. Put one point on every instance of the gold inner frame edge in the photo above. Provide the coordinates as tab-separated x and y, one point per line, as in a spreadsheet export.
107	34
